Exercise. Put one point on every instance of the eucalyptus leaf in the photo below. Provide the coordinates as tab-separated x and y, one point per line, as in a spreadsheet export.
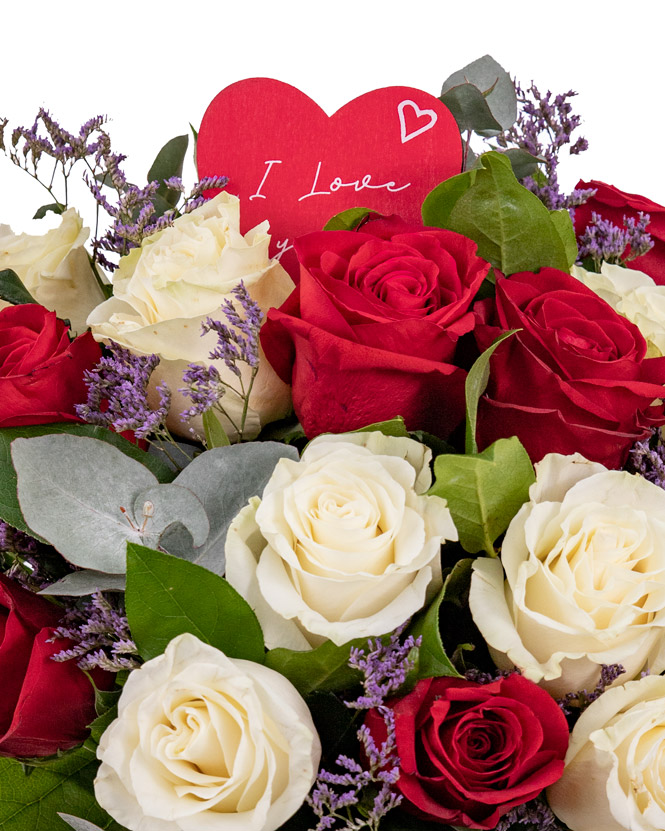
432	659
523	163
224	479
55	207
323	668
512	228
470	109
167	596
215	434
9	507
484	491
86	514
564	226
347	220
495	83
162	506
79	824
12	289
475	385
168	162
81	583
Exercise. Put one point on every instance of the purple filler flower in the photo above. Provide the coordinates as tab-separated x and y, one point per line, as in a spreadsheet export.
603	240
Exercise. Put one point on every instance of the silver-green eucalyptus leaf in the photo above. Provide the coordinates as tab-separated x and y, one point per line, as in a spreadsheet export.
78	824
81	583
224	479
78	493
163	506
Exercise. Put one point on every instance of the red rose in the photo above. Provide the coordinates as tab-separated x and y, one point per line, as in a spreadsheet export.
470	752
370	331
613	204
44	705
575	378
41	370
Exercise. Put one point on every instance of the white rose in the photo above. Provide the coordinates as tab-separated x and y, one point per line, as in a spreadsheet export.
584	585
55	268
634	295
343	544
203	742
164	290
614	776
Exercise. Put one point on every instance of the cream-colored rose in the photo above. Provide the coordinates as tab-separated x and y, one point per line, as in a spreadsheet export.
54	267
584	580
634	295
614	776
164	290
343	543
203	742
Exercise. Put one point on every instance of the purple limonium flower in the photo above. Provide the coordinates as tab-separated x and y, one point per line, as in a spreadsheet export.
19	558
101	636
576	702
648	459
535	815
384	668
602	240
117	393
544	126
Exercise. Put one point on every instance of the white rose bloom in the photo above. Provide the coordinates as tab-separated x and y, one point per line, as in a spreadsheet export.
634	295
54	267
164	290
203	742
614	776
343	543
584	583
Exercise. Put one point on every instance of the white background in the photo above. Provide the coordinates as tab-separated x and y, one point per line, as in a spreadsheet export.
153	67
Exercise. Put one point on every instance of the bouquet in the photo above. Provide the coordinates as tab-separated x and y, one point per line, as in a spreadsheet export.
375	541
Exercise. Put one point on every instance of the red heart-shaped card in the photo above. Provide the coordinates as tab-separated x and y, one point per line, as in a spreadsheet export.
294	165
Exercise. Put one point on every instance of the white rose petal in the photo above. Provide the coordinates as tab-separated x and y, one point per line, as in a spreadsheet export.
343	544
584	581
179	277
614	776
203	742
55	268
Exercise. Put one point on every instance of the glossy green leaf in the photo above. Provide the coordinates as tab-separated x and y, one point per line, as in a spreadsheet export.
564	226
474	386
167	596
484	491
168	162
432	659
392	427
523	163
347	220
512	228
12	289
215	434
323	668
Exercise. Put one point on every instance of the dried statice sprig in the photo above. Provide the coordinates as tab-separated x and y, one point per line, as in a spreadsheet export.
544	126
574	703
602	240
19	558
535	815
101	636
368	788
237	342
479	677
648	459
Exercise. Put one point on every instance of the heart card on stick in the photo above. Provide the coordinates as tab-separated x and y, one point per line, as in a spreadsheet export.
292	164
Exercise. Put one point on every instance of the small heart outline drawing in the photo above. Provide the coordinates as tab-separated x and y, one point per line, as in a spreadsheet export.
433	117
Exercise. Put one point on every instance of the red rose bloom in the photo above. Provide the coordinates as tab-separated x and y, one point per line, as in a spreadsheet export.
41	370
45	705
575	378
470	752
613	204
370	331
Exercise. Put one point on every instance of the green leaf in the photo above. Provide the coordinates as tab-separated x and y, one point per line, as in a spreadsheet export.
323	668
215	435
484	491
432	659
474	387
56	207
392	427
12	289
564	227
167	596
523	163
9	508
31	803
512	228
497	88
470	109
195	136
168	162
347	220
